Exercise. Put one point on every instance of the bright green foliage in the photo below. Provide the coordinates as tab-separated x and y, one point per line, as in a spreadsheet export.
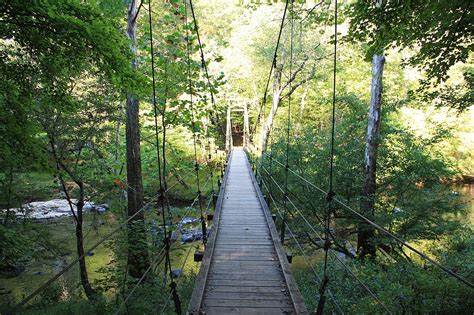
402	286
439	32
45	47
65	65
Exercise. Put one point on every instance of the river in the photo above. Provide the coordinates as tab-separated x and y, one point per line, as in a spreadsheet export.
466	193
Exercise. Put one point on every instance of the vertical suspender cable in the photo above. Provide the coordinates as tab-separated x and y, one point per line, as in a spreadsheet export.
161	196
288	128
213	102
330	195
264	100
209	114
193	126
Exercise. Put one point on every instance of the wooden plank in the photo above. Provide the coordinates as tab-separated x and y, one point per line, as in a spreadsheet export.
246	247
245	276
254	232
233	230
295	294
248	239
245	240
247	258
247	303
248	271
248	289
248	264
246	295
257	234
247	224
216	310
254	245
245	214
244	251
226	251
230	271
246	283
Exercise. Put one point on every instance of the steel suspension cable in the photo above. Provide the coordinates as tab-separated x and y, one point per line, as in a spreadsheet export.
381	229
209	113
264	100
193	125
374	296
301	248
288	128
129	295
182	268
330	194
161	197
75	261
203	60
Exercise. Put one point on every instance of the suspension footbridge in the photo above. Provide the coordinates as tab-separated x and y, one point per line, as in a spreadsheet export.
245	268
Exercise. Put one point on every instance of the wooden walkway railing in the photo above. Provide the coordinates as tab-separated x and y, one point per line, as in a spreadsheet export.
244	269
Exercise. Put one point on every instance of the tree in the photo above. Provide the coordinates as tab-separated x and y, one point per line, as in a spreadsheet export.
50	49
74	136
279	87
437	30
138	260
438	33
366	232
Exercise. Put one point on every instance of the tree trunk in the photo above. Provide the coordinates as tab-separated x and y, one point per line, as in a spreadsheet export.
9	195
365	242
138	260
303	103
80	243
117	140
78	217
277	73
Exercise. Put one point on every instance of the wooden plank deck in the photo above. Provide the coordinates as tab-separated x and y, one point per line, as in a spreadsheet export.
244	269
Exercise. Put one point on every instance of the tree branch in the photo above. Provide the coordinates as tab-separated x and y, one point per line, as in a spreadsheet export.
138	11
294	87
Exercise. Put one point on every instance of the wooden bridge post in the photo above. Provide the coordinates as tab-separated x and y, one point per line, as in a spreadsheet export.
228	135
246	126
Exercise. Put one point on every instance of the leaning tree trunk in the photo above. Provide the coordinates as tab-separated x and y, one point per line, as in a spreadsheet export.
365	240
78	218
117	140
138	260
278	70
80	243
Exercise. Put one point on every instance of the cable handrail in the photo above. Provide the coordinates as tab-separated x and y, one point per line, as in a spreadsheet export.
301	250
177	282
333	253
74	262
158	256
378	227
98	243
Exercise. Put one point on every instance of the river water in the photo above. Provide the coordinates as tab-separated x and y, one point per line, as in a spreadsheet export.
466	192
